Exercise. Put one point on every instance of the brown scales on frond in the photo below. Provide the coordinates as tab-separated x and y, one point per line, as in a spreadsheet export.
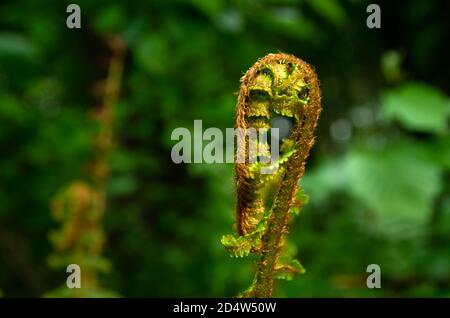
286	75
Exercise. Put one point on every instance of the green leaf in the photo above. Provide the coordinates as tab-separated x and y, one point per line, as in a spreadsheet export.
16	45
325	179
418	107
242	245
398	185
288	268
236	246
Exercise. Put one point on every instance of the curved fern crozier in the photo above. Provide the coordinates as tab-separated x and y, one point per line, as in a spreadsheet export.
279	91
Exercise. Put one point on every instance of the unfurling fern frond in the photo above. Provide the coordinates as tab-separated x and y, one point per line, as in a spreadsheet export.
278	91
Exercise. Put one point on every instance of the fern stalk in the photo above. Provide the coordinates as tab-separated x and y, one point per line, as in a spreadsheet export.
81	206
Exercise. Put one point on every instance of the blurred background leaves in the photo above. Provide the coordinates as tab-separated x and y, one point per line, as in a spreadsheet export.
378	177
405	104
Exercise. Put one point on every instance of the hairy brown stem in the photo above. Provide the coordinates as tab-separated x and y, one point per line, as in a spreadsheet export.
271	247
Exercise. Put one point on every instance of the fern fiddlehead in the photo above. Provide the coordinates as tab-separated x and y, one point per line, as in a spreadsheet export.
278	91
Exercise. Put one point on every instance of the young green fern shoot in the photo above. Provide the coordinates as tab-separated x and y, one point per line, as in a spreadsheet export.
278	91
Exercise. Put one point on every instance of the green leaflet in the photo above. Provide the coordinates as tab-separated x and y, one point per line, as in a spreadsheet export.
288	268
302	199
417	107
242	245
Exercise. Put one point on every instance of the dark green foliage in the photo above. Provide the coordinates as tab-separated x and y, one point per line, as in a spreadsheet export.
378	178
